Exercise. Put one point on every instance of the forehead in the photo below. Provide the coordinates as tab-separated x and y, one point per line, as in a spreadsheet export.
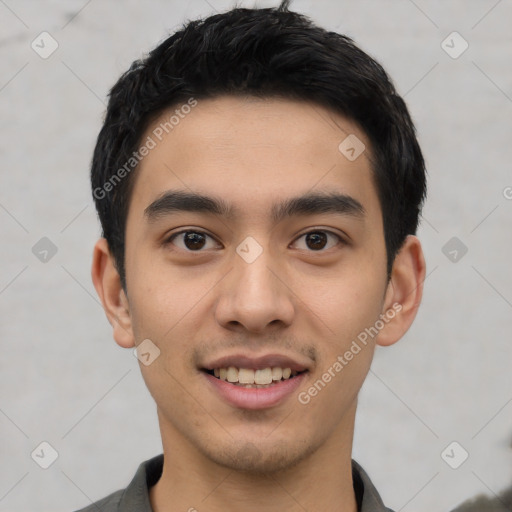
253	152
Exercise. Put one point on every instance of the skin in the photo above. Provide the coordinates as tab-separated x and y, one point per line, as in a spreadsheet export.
293	300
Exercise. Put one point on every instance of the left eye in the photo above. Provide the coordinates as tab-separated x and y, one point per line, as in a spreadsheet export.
316	240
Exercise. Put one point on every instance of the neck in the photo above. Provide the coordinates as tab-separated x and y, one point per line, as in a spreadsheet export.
192	481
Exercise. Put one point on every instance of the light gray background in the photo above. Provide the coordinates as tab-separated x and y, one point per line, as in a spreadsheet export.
64	380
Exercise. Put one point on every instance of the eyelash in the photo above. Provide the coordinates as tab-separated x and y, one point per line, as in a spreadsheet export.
341	241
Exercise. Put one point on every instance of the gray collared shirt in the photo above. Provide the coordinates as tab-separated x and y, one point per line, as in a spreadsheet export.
135	498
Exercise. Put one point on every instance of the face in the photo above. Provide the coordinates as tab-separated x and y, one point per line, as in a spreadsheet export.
282	264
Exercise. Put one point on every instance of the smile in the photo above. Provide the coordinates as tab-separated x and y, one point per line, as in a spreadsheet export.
241	394
253	378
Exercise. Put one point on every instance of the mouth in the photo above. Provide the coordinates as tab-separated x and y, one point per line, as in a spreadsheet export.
255	382
254	378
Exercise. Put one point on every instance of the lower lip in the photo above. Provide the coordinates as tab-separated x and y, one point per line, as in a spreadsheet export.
255	398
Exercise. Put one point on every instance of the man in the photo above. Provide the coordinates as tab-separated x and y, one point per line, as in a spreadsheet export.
259	183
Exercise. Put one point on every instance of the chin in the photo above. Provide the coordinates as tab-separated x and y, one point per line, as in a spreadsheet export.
260	459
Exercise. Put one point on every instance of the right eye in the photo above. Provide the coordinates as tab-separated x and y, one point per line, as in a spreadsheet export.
190	240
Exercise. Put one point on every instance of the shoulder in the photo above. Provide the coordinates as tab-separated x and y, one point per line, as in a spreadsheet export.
135	497
108	504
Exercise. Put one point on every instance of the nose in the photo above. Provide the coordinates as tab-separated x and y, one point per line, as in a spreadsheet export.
255	295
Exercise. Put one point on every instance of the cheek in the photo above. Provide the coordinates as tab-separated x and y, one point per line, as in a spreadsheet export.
169	307
330	395
159	298
347	300
162	314
166	317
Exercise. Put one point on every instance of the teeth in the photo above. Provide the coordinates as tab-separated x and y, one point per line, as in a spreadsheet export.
277	373
232	374
263	376
253	378
246	376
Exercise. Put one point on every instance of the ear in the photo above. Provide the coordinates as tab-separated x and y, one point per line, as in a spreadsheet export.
404	291
107	282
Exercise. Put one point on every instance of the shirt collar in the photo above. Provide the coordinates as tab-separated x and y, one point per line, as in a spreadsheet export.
135	497
368	499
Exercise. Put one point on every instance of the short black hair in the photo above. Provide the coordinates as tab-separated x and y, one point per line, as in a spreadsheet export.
267	52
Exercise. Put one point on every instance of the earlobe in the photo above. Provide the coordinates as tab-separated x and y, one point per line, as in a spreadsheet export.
107	282
404	291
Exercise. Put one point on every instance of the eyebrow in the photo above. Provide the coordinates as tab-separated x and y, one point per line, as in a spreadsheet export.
307	204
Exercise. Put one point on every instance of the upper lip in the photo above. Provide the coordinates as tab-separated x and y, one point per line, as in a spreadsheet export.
257	363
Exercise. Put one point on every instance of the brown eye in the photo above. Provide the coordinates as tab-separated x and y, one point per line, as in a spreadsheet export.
190	240
318	240
193	240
